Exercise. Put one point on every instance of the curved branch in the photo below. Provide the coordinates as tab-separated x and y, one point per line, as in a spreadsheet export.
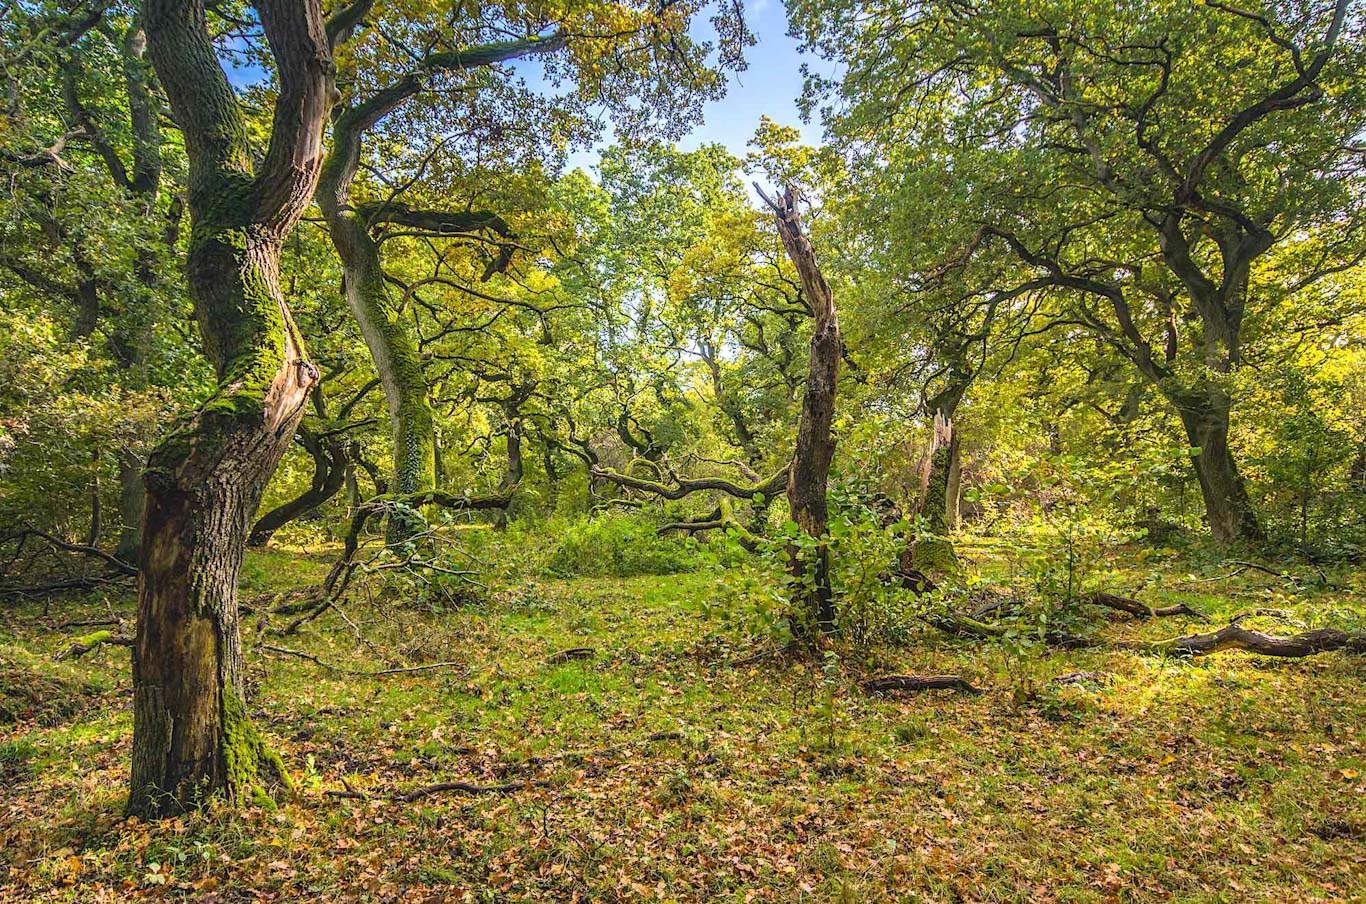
684	486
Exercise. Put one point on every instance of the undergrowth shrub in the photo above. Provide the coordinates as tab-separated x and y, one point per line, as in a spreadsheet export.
616	545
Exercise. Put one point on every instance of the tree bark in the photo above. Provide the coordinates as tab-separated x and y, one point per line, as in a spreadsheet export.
392	345
813	597
1234	637
953	496
925	557
192	736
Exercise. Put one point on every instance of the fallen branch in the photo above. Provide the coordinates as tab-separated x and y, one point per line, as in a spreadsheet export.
722	518
570	655
1277	614
1082	678
1244	566
118	565
92	623
960	625
654	737
762	654
364	673
1134	607
83	645
404	797
1235	637
912	683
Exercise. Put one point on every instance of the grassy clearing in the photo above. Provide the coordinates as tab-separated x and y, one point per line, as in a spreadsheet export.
1225	779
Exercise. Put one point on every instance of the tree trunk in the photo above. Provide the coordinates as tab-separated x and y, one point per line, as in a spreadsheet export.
953	499
925	557
192	736
813	598
393	348
1228	508
515	469
392	344
130	506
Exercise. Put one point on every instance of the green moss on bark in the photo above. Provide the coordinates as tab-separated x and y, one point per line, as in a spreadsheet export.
251	765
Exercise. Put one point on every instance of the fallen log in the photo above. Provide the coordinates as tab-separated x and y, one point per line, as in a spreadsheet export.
1236	637
911	683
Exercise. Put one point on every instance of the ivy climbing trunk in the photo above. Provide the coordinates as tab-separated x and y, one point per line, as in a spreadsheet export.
392	345
192	736
808	475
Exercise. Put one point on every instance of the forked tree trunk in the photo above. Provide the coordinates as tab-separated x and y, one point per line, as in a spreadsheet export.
192	736
392	343
813	599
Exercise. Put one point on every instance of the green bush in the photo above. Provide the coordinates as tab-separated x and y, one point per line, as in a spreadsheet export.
618	545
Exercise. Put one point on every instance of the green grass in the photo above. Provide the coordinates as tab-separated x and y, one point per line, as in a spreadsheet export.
1225	779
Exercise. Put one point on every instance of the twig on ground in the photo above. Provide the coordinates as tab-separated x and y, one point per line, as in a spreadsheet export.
570	655
909	683
364	673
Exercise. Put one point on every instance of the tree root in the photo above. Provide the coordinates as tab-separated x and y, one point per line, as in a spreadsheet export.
1235	637
891	683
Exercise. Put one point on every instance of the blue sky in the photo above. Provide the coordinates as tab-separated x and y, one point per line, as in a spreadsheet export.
769	87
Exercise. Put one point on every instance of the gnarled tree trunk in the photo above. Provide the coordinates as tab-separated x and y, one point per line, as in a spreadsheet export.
809	473
192	736
1228	508
392	345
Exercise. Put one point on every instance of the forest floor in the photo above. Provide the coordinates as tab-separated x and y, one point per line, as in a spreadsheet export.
664	767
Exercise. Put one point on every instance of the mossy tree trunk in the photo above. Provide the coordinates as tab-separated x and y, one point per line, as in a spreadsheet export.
809	473
192	736
932	553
